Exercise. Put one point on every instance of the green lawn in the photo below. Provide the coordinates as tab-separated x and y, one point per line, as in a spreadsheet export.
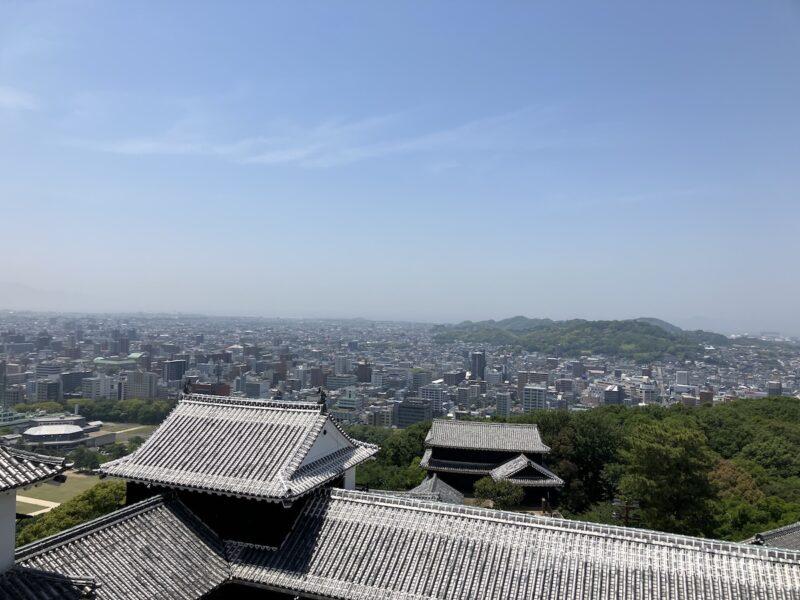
74	485
140	430
26	509
118	426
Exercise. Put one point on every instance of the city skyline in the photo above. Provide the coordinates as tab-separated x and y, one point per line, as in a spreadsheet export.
425	163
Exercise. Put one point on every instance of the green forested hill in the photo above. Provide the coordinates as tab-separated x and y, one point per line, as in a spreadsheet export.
638	339
725	471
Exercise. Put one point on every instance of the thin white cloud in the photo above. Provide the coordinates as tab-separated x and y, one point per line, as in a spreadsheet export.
340	142
15	99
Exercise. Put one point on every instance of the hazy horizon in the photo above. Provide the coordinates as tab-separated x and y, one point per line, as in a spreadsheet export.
419	162
694	323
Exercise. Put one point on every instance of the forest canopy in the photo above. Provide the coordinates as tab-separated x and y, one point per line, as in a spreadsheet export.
726	471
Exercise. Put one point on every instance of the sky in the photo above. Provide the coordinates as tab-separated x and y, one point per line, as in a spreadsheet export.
432	161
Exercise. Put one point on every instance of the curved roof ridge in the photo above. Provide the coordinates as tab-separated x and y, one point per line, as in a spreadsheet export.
249	402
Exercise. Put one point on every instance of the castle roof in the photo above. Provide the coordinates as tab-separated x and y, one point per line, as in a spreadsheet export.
350	545
19	468
477	435
787	536
152	549
247	448
358	546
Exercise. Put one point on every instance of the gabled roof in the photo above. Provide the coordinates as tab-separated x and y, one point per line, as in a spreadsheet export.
787	536
443	491
246	448
153	549
431	488
20	583
508	470
19	468
359	546
478	435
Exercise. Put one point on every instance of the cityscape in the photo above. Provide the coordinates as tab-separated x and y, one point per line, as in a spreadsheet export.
387	374
399	301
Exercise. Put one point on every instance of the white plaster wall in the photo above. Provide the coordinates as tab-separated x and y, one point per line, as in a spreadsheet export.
327	443
8	524
350	479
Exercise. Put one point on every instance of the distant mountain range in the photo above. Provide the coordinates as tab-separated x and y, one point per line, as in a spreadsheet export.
644	339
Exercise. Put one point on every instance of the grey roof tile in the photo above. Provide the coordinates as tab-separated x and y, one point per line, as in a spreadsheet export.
245	448
19	468
477	435
360	546
152	549
508	470
21	583
782	537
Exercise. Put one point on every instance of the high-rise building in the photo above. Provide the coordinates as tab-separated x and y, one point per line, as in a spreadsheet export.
413	410
503	403
494	377
477	361
364	372
534	397
316	378
141	384
417	378
774	388
100	387
436	394
48	390
381	416
336	382
343	365
454	377
377	377
682	377
614	394
71	382
174	370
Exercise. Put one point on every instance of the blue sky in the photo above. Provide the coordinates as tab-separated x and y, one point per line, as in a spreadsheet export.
430	160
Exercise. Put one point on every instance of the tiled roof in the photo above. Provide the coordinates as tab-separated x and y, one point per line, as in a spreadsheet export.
19	468
514	466
433	485
152	549
432	488
20	583
783	537
245	448
477	435
360	546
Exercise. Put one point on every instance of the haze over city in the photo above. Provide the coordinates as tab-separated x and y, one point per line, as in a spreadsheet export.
432	162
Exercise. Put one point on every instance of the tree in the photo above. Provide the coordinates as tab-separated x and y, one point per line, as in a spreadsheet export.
99	500
503	494
84	459
135	442
667	471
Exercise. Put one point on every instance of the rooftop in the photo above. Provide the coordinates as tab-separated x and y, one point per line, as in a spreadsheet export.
152	549
19	468
246	448
478	435
355	545
350	545
782	537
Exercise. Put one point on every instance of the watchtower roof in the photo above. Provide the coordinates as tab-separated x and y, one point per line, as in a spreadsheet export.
247	448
